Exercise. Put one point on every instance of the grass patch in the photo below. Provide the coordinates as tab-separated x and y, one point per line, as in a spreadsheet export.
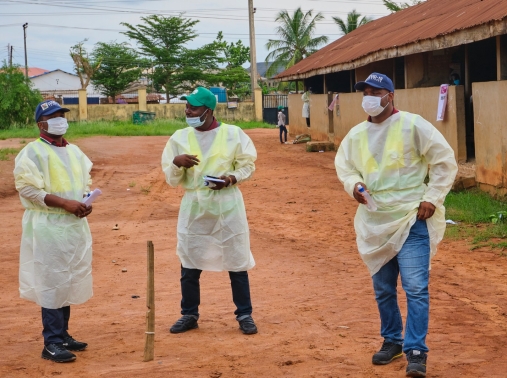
132	184
145	189
472	209
6	152
118	128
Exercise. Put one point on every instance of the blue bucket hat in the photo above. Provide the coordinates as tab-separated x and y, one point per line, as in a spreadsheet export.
376	80
48	107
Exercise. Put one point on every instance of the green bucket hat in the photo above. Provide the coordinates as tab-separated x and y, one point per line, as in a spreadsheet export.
201	97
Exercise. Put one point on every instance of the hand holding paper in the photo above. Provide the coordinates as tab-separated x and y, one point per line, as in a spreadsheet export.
91	197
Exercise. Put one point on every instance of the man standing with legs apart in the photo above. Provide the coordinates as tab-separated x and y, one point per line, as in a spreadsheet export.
55	270
390	155
212	230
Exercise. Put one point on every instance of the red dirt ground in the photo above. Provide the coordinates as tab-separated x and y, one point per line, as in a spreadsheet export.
312	295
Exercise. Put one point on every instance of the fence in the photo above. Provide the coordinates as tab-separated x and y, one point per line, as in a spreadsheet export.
270	104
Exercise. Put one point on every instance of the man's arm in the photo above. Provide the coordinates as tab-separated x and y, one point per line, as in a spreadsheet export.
442	167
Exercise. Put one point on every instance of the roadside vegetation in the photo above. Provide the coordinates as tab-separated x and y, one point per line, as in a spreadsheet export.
481	219
118	128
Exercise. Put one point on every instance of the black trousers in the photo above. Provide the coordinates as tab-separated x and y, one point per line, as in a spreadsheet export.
191	292
56	324
308	122
283	129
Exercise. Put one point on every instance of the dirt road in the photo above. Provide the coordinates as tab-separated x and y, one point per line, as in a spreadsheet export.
312	295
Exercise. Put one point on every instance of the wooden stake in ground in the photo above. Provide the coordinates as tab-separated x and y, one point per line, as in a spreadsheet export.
149	338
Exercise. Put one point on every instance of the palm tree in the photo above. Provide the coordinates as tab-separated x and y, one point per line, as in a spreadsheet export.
394	7
296	41
353	22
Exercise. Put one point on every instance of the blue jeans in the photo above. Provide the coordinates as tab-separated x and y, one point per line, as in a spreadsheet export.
412	264
191	292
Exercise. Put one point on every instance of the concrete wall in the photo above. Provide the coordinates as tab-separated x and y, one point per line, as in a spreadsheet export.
422	101
347	113
297	122
490	114
319	116
112	112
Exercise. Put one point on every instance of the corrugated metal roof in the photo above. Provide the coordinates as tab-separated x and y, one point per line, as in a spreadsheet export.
425	21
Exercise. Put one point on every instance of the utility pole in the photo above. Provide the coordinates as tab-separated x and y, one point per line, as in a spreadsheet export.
253	58
10	55
25	25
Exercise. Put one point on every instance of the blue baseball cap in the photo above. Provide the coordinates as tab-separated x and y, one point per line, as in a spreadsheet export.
48	107
376	80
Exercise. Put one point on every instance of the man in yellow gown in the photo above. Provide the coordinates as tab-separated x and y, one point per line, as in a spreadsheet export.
213	231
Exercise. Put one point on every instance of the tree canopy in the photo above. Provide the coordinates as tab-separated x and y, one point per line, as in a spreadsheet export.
83	66
296	39
395	7
353	21
176	68
17	97
120	66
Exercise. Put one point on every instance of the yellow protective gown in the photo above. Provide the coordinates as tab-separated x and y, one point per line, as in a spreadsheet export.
213	231
56	246
392	159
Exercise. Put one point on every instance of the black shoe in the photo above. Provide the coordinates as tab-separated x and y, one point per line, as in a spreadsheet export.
247	326
57	353
387	353
416	363
184	324
70	344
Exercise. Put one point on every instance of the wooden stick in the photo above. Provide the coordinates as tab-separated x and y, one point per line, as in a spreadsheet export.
149	337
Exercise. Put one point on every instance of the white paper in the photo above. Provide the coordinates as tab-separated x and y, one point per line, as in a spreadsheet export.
91	197
207	178
442	101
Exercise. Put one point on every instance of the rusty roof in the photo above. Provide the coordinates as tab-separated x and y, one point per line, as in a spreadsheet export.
423	27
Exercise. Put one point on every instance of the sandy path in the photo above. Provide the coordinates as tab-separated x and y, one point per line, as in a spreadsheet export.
312	296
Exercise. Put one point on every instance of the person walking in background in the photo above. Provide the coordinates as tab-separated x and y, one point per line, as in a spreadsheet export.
306	105
281	124
52	176
391	154
213	231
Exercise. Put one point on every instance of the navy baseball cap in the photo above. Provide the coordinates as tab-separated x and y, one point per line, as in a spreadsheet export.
48	107
376	80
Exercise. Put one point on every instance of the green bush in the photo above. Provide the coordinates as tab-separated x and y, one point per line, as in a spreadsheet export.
17	98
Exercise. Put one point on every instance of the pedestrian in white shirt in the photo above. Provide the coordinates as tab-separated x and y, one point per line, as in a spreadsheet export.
281	124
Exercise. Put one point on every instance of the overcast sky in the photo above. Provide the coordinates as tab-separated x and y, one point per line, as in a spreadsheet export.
55	25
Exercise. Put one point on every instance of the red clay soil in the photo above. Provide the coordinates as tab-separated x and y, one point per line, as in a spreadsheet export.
312	295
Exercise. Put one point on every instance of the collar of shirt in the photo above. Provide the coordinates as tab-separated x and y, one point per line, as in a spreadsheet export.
214	124
394	112
52	142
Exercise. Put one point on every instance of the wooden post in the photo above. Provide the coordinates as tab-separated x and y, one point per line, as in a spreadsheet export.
149	338
498	59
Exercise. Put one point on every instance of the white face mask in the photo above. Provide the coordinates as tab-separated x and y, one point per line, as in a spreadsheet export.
196	121
371	105
57	126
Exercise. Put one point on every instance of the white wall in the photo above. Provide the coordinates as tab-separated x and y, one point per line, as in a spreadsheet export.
60	80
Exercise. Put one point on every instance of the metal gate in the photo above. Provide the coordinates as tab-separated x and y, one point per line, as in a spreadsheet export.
270	105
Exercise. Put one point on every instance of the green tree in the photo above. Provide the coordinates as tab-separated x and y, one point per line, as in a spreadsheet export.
176	68
83	66
296	39
120	66
353	21
17	97
233	76
395	7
